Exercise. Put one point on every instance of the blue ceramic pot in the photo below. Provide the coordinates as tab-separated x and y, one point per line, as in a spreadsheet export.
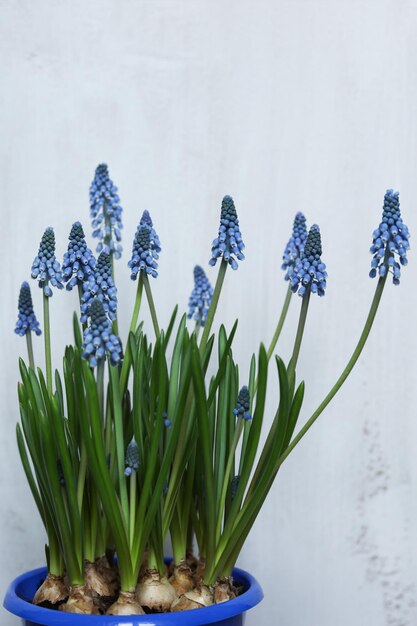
22	589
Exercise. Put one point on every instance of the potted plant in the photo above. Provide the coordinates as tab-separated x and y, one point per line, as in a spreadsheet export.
129	443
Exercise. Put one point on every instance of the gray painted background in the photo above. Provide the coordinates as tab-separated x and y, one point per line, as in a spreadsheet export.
287	105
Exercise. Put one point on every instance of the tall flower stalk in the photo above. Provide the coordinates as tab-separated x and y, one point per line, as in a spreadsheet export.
309	276
390	242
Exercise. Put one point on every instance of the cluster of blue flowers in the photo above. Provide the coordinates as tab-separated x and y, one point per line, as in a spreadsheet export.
389	239
146	249
106	212
200	299
132	459
98	338
309	271
100	285
26	320
45	267
295	246
229	243
302	262
146	220
79	262
242	408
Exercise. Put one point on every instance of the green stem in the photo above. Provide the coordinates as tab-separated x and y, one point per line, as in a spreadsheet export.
151	303
133	324
30	349
56	563
118	433
280	325
351	363
115	323
154	561
132	507
81	476
107	240
138	301
100	387
226	481
80	295
299	336
277	332
214	302
47	337
178	541
80	292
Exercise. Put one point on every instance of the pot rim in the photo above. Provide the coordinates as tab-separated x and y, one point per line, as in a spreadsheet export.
24	609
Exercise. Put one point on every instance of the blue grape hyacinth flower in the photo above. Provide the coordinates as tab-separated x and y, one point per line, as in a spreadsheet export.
309	272
79	262
45	267
98	338
200	298
228	244
26	320
132	459
145	252
106	212
146	220
100	285
391	238
295	246
242	408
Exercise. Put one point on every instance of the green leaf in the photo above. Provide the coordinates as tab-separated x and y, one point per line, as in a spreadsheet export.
204	439
222	364
29	474
170	327
294	414
90	420
77	331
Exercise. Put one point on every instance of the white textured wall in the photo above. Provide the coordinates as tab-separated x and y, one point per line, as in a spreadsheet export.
287	105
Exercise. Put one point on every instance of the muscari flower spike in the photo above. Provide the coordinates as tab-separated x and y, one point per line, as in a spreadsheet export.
242	408
106	212
390	239
26	319
146	220
132	457
229	242
45	267
295	246
145	252
309	270
201	295
100	285
98	338
79	262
